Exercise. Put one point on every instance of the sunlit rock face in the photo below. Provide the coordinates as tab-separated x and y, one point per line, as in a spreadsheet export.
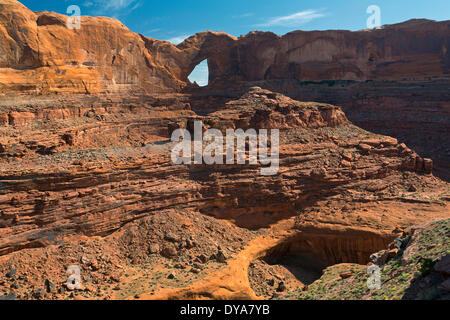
392	80
40	54
87	178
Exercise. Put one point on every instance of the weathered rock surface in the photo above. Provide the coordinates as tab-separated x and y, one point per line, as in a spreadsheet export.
86	175
392	81
347	185
40	54
406	273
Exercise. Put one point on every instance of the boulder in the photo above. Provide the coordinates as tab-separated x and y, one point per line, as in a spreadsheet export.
443	265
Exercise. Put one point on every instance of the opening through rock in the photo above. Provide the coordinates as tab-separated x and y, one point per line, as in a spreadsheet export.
300	260
200	74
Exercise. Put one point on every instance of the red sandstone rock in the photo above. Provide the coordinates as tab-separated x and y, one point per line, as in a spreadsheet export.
428	165
105	56
85	167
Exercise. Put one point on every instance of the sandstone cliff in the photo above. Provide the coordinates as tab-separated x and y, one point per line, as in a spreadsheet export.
39	54
392	81
86	176
97	187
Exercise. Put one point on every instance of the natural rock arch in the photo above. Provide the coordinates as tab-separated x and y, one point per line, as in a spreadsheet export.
215	47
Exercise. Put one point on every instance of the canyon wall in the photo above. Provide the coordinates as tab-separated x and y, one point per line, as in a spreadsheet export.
81	184
86	176
413	49
39	52
393	80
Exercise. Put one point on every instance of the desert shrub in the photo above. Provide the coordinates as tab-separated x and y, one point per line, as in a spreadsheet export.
425	268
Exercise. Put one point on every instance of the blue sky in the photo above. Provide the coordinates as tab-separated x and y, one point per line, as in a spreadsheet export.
175	20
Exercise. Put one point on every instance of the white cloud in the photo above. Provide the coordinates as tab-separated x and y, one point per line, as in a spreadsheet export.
178	39
117	4
115	7
244	15
293	20
153	30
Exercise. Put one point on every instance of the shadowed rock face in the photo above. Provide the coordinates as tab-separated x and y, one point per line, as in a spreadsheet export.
414	49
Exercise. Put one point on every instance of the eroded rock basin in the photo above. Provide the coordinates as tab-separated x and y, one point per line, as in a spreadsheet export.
301	259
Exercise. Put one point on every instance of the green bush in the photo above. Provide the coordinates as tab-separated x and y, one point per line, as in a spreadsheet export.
426	267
